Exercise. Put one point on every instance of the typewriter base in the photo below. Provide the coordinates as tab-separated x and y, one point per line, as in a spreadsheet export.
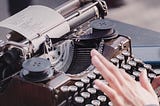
20	92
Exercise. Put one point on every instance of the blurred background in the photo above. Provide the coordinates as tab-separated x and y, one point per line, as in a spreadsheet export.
143	13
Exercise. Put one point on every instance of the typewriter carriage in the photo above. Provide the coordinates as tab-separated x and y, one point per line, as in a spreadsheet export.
24	48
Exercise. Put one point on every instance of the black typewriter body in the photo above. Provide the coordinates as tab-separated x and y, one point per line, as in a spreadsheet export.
59	71
48	92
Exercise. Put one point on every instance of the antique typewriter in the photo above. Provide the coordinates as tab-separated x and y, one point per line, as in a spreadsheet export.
48	63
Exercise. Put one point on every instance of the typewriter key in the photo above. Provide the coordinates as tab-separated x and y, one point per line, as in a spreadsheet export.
120	57
157	71
148	67
91	76
133	65
64	89
110	103
126	55
96	102
140	69
86	96
115	61
151	76
127	68
99	92
78	101
93	92
86	82
139	62
103	100
97	73
80	86
72	89
136	74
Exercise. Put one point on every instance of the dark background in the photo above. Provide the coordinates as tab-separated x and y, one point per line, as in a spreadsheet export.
142	13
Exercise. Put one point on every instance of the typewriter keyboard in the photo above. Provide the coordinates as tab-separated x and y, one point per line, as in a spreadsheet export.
83	92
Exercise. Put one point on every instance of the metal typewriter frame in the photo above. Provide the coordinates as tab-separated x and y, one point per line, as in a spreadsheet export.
78	13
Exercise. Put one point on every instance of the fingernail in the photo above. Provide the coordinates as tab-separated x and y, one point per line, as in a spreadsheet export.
95	83
93	52
145	72
95	60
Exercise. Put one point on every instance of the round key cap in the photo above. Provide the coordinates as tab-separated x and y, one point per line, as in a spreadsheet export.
126	55
115	61
78	101
80	86
93	92
86	96
96	102
127	68
103	100
120	57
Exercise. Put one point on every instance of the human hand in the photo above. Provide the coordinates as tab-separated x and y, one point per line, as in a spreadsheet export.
123	90
156	82
156	85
